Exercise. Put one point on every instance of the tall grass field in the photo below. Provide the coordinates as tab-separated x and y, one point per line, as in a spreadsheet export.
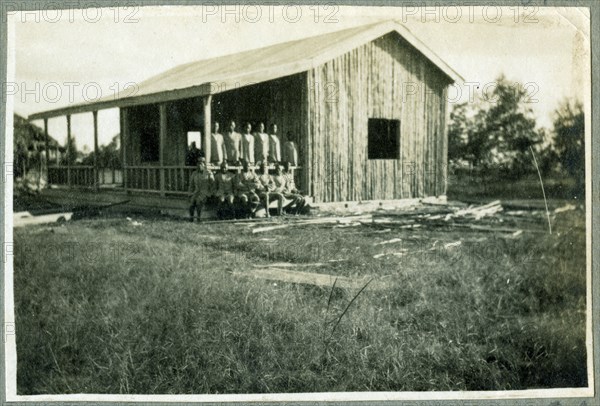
114	306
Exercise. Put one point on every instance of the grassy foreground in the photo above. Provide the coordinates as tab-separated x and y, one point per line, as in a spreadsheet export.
103	306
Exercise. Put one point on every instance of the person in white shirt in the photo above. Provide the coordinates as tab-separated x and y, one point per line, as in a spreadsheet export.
233	145
274	145
248	145
290	150
218	152
261	144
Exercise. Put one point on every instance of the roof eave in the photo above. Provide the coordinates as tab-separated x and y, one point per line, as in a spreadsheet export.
159	97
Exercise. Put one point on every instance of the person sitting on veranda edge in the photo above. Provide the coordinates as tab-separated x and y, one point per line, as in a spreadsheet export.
298	205
268	193
288	190
224	192
245	185
201	187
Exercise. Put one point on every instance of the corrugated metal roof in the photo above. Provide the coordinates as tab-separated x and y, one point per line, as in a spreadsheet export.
227	72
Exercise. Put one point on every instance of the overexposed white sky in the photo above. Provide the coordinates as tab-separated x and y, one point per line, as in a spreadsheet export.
66	56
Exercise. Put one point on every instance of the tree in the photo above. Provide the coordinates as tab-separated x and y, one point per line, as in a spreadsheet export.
496	131
510	126
546	154
466	143
108	155
569	131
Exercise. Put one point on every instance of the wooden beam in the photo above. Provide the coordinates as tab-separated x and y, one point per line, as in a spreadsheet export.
207	101
112	102
96	171
445	142
161	145
47	141
69	150
124	138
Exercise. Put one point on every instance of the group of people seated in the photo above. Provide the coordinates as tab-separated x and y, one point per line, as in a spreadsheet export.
258	146
239	195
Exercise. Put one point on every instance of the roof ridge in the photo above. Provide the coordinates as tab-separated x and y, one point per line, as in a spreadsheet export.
284	44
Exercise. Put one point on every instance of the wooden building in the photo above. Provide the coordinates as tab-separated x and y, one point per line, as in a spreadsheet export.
367	107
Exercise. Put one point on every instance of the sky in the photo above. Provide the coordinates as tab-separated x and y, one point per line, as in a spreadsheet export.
70	56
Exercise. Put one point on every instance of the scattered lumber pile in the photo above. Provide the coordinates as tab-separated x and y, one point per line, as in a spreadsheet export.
489	217
478	212
486	217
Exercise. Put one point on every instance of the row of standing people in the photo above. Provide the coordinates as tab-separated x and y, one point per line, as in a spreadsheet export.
258	146
239	195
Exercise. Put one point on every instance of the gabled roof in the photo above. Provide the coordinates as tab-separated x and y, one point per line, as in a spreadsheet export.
227	72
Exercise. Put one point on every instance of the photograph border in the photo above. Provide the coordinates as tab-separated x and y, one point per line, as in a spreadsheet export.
555	397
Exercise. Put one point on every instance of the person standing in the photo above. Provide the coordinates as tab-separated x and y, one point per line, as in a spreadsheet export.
274	145
261	144
233	144
290	150
248	145
201	187
218	152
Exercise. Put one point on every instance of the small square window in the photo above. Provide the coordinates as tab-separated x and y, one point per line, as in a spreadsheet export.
384	139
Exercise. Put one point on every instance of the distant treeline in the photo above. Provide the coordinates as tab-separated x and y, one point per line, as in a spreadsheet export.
497	136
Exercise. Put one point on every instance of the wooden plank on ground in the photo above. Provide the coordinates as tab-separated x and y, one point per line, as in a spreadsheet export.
45	219
315	221
270	228
287	265
311	278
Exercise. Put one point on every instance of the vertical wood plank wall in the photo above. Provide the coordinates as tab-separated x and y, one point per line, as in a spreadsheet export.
279	101
386	78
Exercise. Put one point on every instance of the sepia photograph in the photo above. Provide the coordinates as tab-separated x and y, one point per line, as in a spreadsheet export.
297	203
